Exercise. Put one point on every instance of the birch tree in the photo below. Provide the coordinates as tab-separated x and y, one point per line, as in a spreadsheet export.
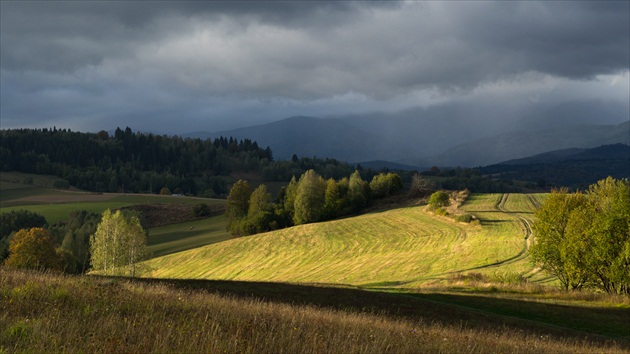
118	244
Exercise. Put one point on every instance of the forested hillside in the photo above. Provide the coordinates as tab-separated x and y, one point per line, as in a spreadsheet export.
137	162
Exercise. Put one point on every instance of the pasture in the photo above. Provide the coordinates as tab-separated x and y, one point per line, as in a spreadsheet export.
56	205
404	247
401	280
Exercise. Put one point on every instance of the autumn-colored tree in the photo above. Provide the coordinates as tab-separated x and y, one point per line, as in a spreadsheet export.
32	249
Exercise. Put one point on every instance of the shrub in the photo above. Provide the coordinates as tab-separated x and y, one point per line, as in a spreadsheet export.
441	211
464	218
439	199
201	209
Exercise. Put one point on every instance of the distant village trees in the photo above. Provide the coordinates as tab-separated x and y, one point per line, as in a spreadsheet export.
584	238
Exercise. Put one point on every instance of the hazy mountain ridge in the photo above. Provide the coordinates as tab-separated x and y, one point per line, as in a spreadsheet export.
575	168
516	145
613	151
451	135
309	136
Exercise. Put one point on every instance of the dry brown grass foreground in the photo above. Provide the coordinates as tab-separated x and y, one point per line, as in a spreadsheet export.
52	313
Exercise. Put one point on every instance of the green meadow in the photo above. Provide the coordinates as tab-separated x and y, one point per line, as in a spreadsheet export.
399	247
399	280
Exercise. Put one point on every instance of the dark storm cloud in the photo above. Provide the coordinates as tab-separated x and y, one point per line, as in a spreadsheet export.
64	36
86	61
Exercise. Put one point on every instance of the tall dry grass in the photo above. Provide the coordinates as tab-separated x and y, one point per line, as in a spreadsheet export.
53	313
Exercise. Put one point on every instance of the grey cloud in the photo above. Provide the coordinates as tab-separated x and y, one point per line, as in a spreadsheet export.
89	60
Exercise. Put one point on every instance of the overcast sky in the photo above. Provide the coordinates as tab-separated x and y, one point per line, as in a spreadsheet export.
176	67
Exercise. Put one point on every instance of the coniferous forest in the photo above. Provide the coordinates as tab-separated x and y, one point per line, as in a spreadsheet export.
135	162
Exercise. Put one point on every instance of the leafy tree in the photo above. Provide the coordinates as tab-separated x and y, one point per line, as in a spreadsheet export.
289	198
237	206
358	192
13	221
165	191
75	235
32	249
119	242
385	184
332	198
260	212
600	233
584	239
309	199
552	240
439	199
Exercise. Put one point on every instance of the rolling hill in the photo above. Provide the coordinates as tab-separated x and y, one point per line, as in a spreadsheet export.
400	247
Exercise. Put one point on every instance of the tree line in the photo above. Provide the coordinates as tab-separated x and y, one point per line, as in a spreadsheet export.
128	161
308	199
137	162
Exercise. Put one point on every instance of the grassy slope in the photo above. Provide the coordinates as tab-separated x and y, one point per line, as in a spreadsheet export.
404	246
416	254
185	236
49	313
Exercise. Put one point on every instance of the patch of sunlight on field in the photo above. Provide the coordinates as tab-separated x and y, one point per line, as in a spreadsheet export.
395	247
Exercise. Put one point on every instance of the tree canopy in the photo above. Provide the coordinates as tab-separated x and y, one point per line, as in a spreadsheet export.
584	238
14	221
118	244
32	249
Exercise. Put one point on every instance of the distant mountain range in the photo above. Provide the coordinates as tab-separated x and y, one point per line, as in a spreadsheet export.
520	144
604	152
455	135
576	168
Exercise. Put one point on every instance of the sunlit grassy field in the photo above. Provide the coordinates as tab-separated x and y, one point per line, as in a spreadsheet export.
399	247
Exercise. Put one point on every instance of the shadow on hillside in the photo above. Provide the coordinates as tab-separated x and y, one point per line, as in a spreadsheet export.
595	324
178	235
